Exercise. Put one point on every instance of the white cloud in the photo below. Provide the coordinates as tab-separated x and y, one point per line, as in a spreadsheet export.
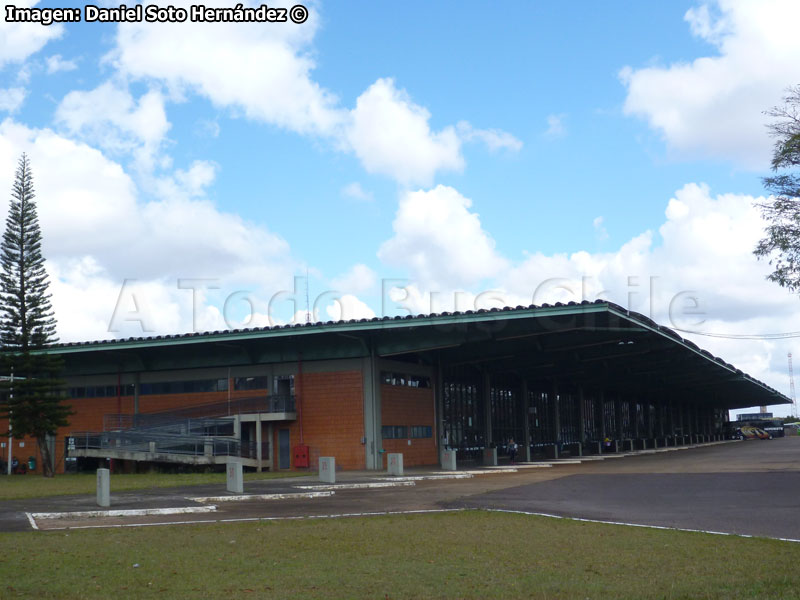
18	41
110	117
440	241
697	273
348	307
555	126
265	74
12	98
713	106
56	64
356	192
98	232
600	230
360	278
495	139
390	134
262	71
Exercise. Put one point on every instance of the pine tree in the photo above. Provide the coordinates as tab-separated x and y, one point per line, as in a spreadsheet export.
34	402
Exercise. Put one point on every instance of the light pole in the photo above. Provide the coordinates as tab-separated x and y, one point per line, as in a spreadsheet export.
10	435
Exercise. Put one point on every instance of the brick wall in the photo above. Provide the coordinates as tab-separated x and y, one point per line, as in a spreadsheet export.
333	418
409	406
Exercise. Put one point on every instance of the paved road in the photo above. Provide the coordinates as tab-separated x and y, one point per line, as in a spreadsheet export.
747	488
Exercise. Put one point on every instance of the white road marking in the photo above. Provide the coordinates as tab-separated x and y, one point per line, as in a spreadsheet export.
356	486
240	498
584	520
138	512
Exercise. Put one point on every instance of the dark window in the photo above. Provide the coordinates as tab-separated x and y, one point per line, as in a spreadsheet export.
100	391
404	379
283	385
394	432
251	383
421	431
184	387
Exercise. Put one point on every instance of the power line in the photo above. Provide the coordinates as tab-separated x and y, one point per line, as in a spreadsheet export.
743	336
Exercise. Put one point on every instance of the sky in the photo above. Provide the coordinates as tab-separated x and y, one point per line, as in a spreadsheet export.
392	158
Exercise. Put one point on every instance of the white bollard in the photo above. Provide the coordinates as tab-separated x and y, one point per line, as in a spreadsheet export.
235	477
103	487
449	460
395	464
327	469
490	457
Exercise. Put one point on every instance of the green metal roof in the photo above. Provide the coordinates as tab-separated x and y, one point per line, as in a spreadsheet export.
591	343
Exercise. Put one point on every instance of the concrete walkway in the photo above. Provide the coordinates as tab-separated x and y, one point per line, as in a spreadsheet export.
742	487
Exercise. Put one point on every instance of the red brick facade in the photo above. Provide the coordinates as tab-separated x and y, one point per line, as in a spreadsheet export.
332	407
408	406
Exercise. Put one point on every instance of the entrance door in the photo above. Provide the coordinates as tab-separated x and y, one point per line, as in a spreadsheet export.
284	456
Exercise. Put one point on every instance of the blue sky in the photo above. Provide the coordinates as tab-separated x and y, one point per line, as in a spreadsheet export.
473	154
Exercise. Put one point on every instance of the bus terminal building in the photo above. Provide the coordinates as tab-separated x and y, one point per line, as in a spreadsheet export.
575	378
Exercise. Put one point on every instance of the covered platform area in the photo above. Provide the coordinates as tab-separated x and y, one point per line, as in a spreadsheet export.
575	379
560	380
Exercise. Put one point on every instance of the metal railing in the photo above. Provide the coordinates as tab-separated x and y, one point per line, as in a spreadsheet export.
261	404
127	441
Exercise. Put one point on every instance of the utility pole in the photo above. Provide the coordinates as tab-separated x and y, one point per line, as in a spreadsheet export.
791	387
10	436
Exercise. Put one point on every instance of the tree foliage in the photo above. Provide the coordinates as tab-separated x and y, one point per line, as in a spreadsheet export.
781	244
33	402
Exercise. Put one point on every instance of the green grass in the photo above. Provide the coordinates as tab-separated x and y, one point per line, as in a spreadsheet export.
17	487
449	555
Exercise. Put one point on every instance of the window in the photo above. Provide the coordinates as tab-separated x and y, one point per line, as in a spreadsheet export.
421	431
283	385
394	432
404	379
100	391
251	383
184	387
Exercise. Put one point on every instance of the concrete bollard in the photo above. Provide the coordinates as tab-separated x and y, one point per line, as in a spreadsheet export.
449	460
235	478
327	469
490	457
394	464
103	487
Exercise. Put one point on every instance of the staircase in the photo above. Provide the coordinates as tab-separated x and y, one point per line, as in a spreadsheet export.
204	434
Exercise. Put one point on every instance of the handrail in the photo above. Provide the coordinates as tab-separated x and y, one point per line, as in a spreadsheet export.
274	403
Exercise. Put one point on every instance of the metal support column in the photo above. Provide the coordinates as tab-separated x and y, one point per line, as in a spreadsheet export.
136	385
438	392
372	413
270	447
618	420
581	422
556	420
259	458
526	424
486	392
600	410
582	417
671	410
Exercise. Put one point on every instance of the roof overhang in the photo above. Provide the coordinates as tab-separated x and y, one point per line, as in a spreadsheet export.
597	345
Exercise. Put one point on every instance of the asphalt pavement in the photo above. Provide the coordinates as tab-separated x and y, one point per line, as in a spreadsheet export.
750	488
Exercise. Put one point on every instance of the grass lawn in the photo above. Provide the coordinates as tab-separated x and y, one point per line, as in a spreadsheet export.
472	554
35	486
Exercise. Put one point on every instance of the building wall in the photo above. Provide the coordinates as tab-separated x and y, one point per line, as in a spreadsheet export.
407	406
333	418
332	404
